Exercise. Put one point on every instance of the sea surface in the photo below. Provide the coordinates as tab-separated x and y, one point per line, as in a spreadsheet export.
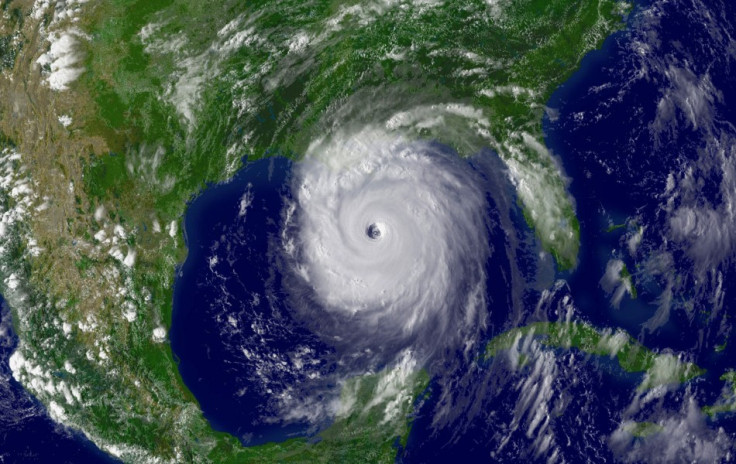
604	131
221	306
233	333
27	433
615	168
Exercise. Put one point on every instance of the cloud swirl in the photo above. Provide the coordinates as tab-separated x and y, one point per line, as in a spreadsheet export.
388	241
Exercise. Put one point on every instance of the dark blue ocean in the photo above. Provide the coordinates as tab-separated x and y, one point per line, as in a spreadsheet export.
232	329
27	433
606	192
617	166
224	307
600	128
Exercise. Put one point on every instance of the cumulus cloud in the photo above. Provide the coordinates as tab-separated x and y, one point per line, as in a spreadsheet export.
62	60
682	438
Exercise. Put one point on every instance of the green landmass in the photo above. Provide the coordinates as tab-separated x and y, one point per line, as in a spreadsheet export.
658	368
363	435
642	429
727	403
628	281
167	96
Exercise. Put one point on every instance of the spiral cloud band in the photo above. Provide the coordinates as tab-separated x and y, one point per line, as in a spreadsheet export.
388	240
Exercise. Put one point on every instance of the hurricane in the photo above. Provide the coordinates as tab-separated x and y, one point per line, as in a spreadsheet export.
415	231
388	238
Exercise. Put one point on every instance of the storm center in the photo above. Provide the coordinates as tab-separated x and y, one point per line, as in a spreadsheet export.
374	231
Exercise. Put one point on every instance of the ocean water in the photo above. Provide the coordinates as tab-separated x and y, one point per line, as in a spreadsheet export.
221	308
233	332
605	133
27	433
602	132
603	127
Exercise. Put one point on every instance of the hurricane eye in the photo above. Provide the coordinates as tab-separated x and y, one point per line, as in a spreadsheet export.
373	231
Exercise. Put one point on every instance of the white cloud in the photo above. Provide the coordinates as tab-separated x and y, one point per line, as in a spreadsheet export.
62	60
